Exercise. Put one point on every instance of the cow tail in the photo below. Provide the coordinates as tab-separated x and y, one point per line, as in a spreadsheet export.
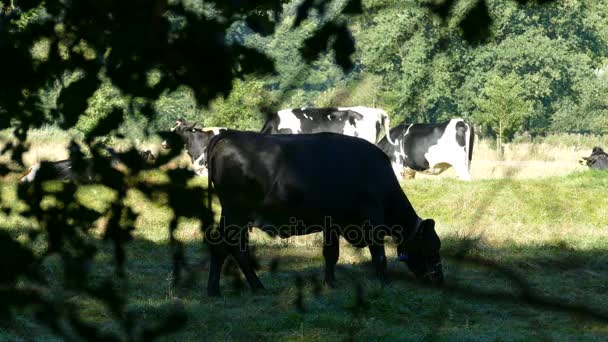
470	142
210	176
387	128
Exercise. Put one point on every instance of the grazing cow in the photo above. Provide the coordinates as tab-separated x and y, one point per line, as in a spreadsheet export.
195	142
64	170
431	148
58	170
597	160
362	122
300	184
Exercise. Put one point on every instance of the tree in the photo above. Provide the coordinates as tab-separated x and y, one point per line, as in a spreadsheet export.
240	110
145	50
502	107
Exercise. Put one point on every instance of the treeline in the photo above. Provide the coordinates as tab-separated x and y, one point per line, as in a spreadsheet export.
544	69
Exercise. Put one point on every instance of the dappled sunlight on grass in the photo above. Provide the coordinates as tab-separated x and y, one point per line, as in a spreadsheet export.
552	232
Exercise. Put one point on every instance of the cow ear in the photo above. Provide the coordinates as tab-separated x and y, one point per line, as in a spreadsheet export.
430	240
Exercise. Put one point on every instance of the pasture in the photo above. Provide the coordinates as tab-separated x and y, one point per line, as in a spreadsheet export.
547	225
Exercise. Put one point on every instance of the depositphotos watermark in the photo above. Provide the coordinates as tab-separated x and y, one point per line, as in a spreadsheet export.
364	234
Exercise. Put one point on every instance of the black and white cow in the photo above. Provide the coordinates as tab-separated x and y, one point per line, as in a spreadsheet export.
431	148
57	170
195	142
300	184
363	122
597	160
64	169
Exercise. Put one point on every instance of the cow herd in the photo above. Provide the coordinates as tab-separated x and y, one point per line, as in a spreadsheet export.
326	170
315	170
412	148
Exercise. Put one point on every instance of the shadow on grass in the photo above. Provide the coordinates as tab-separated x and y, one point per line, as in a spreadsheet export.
560	288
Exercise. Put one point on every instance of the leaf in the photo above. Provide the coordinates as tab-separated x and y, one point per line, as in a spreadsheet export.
314	45
72	101
441	9
353	7
476	24
261	24
107	124
343	45
302	12
252	61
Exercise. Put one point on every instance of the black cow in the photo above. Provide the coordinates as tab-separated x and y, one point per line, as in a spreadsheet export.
363	122
195	142
300	184
597	160
431	148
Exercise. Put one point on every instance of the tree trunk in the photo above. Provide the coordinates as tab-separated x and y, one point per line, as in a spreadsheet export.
499	140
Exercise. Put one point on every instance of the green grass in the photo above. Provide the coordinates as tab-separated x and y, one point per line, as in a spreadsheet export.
553	232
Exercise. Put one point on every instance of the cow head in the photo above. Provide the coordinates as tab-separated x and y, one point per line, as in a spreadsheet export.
421	253
597	160
195	140
181	128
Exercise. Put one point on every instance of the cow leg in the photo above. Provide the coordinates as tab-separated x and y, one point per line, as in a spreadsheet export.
331	252
398	170
379	260
215	240
243	258
241	252
215	269
462	171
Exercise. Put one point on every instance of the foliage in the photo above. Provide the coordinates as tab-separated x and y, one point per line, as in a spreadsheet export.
240	109
106	67
429	73
502	106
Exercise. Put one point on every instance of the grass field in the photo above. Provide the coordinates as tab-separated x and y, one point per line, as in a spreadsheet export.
550	231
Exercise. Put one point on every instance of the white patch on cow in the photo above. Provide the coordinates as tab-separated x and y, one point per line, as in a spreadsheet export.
215	130
288	120
400	143
329	117
398	159
31	174
199	166
398	169
350	129
366	128
447	152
